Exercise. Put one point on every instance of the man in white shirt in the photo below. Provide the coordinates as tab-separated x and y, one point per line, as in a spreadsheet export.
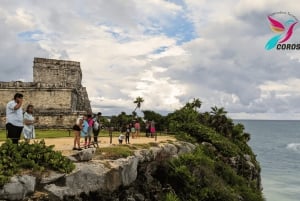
14	118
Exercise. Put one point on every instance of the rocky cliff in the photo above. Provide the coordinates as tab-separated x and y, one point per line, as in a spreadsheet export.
132	178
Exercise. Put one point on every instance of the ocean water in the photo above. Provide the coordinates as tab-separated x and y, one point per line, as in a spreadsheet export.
277	146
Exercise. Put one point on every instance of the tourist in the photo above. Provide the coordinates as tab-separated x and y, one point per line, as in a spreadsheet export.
127	134
84	130
132	130
147	129
14	118
28	130
152	128
137	127
121	137
88	137
96	128
77	128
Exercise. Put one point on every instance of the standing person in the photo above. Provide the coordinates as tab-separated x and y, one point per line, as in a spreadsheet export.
132	130
28	130
147	129
152	128
127	134
14	118
77	128
96	128
84	130
87	139
137	127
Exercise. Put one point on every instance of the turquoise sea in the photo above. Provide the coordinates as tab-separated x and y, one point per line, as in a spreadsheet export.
277	146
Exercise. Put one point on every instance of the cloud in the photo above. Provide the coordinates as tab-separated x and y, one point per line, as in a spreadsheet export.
168	52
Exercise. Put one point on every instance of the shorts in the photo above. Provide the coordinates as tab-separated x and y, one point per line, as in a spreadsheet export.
76	127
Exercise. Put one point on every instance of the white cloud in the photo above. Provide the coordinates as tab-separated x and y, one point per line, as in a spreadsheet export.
128	49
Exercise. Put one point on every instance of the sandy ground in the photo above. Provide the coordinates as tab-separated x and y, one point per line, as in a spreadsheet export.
66	144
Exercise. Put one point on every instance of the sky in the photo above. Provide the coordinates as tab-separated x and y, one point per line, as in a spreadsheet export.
166	51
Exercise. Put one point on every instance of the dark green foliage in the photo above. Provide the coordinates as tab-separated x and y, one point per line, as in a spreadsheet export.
208	179
207	174
171	196
36	156
157	118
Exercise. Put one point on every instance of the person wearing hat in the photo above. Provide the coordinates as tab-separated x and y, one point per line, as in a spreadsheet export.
14	118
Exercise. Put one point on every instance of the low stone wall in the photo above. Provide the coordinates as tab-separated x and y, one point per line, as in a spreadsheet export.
51	120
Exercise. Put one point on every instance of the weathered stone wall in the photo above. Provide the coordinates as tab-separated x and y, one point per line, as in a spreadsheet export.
57	121
59	72
56	93
41	99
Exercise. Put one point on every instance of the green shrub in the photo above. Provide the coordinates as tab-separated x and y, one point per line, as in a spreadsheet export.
171	197
36	156
207	178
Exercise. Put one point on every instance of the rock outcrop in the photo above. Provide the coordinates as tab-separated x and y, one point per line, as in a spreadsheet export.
18	188
97	179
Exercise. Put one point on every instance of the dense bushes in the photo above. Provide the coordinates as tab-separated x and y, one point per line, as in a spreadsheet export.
199	177
36	156
216	170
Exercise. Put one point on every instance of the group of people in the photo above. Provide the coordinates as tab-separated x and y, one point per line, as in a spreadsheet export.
17	121
86	127
133	129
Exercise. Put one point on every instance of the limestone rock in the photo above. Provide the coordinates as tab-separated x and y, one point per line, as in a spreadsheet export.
128	169
105	177
18	188
52	176
59	191
85	154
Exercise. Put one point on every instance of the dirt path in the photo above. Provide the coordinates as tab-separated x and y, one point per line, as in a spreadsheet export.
66	144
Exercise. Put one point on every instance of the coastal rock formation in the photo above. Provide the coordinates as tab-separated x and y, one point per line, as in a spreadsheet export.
18	188
100	179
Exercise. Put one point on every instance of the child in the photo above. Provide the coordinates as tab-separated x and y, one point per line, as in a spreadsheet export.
121	137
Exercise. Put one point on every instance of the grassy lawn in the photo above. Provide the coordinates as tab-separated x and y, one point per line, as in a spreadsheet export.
55	133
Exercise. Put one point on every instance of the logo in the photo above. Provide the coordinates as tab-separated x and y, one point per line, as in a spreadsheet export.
283	24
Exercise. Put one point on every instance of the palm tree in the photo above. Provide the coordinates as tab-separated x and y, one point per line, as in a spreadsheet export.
220	122
196	103
138	101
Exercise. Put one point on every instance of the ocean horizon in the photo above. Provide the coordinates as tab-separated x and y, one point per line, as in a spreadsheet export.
276	143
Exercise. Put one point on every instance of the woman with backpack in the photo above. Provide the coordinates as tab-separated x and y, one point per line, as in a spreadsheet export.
96	128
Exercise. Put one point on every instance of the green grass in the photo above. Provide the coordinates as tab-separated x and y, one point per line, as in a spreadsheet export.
120	151
57	133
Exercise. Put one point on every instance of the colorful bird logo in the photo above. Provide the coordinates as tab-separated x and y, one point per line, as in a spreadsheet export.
285	31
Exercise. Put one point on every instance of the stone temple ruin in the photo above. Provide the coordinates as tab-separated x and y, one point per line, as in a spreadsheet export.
56	93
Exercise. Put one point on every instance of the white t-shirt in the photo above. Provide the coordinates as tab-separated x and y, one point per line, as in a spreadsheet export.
15	117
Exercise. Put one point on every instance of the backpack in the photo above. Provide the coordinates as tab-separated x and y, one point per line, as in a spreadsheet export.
96	125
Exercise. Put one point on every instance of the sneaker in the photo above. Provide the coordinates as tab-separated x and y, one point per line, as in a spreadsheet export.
74	148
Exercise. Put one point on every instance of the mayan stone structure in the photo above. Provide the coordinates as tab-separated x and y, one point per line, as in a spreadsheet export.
56	93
